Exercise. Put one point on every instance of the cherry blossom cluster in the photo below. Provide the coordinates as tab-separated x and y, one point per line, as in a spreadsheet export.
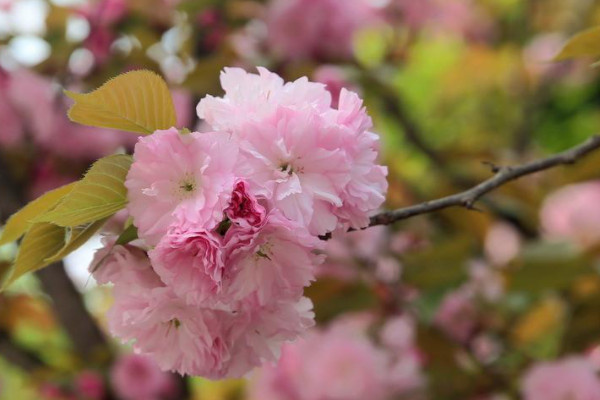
229	222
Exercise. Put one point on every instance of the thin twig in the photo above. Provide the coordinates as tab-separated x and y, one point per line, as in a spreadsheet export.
468	198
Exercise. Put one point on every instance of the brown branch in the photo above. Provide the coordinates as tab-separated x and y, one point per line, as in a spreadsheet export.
69	308
468	198
19	356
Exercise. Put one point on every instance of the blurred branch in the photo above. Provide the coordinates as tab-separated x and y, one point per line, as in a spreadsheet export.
69	308
395	106
503	175
18	356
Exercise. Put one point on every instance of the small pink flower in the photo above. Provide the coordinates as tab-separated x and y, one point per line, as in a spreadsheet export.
180	178
191	262
572	378
137	377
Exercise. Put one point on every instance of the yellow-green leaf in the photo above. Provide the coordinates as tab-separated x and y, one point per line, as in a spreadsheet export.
76	238
137	101
39	243
584	44
21	221
100	194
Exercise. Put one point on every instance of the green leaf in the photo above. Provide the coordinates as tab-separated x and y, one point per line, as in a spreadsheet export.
42	241
76	238
584	44
21	221
137	101
128	235
100	194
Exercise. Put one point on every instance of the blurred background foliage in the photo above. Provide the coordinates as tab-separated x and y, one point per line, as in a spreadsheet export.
450	86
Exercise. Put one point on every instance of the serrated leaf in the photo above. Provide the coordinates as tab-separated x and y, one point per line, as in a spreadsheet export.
76	238
41	241
137	101
584	44
21	221
100	194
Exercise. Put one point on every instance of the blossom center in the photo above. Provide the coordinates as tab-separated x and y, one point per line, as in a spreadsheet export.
186	186
264	251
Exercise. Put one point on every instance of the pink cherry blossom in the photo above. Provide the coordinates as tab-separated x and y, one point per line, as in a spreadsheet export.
572	378
137	377
297	162
322	29
176	177
191	262
178	337
252	97
367	186
259	332
273	261
123	265
317	164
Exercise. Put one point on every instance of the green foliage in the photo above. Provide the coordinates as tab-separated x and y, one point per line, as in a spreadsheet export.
137	101
100	194
584	44
42	241
20	222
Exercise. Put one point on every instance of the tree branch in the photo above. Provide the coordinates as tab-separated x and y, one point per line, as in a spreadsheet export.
19	356
70	310
468	198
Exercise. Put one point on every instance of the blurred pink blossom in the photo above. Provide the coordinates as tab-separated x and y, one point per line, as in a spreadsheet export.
89	385
502	243
572	378
538	55
572	212
339	363
462	17
137	377
322	29
335	80
12	131
457	315
40	104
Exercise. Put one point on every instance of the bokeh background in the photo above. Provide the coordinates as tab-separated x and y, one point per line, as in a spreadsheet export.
498	304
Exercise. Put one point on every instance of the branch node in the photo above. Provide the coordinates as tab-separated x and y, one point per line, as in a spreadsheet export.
493	167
